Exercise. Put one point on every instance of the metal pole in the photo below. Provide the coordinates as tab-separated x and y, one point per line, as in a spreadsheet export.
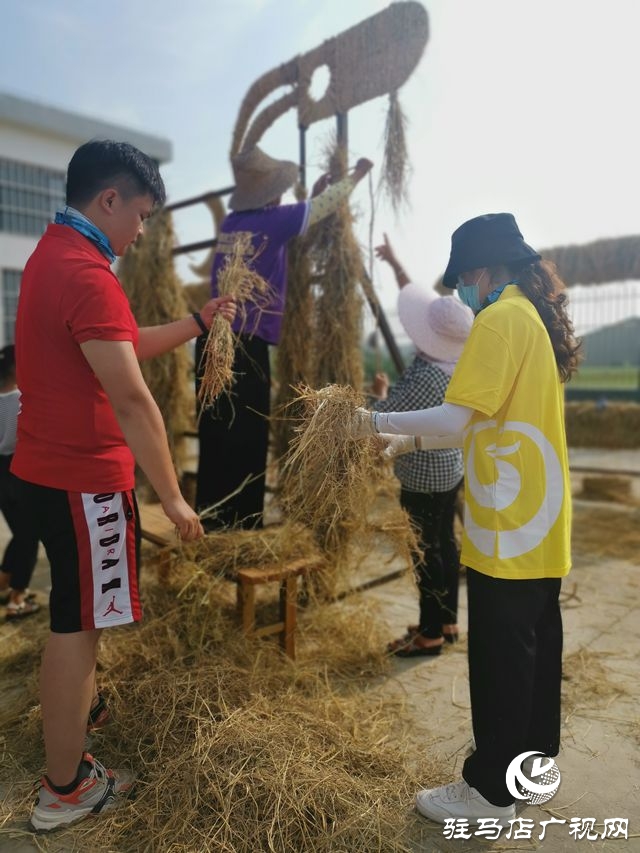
176	205
303	156
342	129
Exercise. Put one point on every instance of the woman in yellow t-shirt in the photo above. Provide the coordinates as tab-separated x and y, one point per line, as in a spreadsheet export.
505	406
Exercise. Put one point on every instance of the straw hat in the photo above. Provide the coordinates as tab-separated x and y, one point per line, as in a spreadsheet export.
486	241
437	325
259	179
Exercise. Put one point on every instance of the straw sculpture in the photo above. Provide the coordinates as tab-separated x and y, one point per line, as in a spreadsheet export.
238	279
337	356
295	355
371	59
156	296
323	314
394	175
337	266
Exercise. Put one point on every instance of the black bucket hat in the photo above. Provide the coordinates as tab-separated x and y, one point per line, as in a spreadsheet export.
486	241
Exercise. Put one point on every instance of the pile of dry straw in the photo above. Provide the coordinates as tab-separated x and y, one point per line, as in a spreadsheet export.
237	748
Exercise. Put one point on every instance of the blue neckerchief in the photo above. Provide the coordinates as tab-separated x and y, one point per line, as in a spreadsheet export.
70	216
495	294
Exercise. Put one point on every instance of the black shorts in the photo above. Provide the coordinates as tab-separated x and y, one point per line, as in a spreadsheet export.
93	545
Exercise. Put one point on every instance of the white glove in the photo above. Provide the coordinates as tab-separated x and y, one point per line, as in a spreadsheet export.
399	444
362	425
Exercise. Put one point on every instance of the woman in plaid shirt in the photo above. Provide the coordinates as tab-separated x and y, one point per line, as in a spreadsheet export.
430	479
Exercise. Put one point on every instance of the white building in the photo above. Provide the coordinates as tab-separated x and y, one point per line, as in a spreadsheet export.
36	144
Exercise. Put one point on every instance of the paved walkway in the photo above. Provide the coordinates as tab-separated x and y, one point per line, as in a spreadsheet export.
599	761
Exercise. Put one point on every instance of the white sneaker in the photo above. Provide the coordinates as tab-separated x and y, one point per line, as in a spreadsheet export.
459	800
94	795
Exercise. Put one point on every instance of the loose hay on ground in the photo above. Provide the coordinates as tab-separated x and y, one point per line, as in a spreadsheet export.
238	748
586	682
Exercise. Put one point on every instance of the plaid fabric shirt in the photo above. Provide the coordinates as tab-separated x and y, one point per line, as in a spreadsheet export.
422	386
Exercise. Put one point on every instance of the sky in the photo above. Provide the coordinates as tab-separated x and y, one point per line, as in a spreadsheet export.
527	106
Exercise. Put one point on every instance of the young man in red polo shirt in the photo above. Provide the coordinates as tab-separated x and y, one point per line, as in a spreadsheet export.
86	417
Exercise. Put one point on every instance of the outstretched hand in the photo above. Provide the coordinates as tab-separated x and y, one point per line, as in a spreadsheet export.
385	251
321	184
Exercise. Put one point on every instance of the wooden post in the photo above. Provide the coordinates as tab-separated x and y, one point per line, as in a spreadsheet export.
383	323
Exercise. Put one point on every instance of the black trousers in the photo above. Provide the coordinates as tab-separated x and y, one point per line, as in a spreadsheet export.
437	569
234	440
515	670
21	553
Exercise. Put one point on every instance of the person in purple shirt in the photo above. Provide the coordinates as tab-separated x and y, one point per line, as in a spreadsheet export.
234	432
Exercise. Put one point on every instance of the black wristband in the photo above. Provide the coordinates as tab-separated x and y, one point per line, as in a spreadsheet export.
197	317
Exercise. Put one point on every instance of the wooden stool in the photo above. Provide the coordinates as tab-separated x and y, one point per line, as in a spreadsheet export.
156	528
287	576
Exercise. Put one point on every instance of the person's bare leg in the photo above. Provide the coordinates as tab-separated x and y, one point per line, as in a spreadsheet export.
67	685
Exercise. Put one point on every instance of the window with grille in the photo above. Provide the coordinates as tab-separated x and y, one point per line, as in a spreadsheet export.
10	291
29	197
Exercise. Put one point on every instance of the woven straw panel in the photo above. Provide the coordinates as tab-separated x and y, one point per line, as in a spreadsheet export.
372	58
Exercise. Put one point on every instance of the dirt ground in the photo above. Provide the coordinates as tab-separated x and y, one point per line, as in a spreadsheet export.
599	761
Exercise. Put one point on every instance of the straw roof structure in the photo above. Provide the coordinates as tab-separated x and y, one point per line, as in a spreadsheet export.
599	262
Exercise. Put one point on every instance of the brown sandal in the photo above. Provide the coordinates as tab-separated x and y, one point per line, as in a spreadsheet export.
412	649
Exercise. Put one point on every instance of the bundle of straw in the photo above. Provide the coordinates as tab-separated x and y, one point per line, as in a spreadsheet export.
328	477
394	175
221	554
237	278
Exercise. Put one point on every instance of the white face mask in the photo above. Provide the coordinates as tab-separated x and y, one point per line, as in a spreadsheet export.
470	293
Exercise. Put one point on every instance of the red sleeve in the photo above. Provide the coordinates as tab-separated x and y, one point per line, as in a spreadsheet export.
95	307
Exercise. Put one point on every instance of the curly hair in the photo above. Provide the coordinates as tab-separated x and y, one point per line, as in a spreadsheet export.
544	288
